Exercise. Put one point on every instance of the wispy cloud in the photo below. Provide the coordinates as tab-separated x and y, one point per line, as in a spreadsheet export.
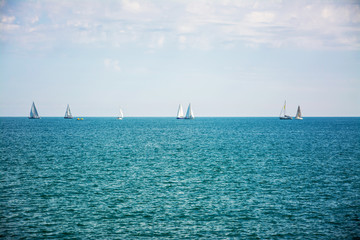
8	19
7	24
199	24
260	17
112	64
132	6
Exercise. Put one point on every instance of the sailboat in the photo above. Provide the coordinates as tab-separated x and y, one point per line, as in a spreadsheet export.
33	112
189	113
121	116
283	115
180	113
298	114
68	113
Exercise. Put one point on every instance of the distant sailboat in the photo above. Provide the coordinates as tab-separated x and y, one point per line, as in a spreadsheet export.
180	113
68	113
121	116
298	114
33	112
283	115
189	113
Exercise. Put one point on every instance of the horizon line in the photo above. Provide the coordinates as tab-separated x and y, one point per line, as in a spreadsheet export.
172	116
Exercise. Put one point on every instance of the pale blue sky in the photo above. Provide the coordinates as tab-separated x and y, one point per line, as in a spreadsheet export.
228	58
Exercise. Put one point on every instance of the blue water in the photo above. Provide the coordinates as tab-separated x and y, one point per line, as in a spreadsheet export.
209	178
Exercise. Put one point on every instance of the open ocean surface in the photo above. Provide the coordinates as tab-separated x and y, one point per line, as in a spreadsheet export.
207	178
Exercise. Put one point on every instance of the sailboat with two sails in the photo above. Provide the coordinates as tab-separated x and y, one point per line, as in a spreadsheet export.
180	113
33	112
283	115
298	114
189	113
68	114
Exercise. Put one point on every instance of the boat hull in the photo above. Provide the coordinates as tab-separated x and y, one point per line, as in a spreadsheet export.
68	117
34	117
299	118
285	118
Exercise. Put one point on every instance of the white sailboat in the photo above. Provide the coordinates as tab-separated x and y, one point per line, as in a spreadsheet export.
283	115
68	114
298	114
121	116
33	112
189	113
180	113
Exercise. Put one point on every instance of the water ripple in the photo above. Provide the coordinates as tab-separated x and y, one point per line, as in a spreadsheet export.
223	178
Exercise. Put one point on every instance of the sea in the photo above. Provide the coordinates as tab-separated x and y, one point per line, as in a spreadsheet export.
164	178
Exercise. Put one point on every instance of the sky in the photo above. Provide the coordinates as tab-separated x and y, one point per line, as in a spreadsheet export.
225	57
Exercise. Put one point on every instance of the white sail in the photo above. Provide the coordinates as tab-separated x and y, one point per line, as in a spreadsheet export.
180	113
283	110
121	116
33	112
189	113
298	114
68	112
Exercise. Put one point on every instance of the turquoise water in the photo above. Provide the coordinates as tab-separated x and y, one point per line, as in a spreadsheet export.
210	178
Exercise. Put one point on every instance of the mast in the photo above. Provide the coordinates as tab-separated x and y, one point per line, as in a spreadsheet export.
180	113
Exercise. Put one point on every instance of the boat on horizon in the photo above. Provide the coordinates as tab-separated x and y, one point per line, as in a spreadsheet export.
33	112
298	114
180	113
189	113
68	114
283	115
121	116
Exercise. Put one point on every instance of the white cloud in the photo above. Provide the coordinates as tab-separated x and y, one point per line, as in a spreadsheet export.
200	7
186	28
131	6
112	64
34	19
8	19
137	7
260	17
194	24
182	39
160	41
7	25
